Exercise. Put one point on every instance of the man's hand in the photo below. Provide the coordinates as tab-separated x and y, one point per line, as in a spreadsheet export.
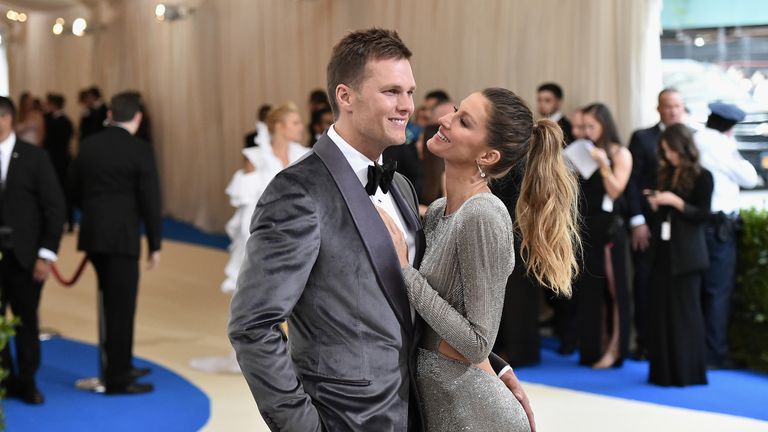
153	261
513	384
641	236
42	270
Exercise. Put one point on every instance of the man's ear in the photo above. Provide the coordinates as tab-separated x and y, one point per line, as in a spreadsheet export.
344	97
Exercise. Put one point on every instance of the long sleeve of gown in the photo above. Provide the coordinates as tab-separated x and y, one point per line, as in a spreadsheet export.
483	238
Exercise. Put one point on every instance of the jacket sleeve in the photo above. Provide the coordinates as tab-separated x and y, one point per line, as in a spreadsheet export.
634	194
52	203
699	208
149	197
280	253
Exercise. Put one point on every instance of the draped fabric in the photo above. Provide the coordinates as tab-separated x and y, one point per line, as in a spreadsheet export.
203	77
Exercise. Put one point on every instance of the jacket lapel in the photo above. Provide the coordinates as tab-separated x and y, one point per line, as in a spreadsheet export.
371	228
13	166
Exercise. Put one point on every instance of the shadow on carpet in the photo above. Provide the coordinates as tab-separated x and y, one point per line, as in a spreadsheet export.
175	405
740	393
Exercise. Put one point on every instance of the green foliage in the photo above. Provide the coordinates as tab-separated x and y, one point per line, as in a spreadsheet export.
749	326
6	331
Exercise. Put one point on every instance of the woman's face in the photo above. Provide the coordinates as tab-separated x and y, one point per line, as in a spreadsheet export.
672	156
461	137
290	128
592	128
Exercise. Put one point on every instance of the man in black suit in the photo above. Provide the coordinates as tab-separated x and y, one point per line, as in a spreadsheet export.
549	101
320	256
31	222
114	182
94	114
644	146
58	135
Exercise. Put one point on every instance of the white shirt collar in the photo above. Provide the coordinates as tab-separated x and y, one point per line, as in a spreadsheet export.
556	116
6	151
358	161
7	145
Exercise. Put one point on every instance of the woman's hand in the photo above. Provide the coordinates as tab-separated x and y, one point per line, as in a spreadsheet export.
397	237
666	198
601	157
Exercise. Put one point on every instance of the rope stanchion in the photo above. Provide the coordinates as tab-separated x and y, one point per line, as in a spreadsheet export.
73	280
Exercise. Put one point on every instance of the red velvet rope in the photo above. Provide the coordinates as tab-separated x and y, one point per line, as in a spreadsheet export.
73	280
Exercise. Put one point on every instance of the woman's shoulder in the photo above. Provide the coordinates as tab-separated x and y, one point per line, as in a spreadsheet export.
435	210
484	207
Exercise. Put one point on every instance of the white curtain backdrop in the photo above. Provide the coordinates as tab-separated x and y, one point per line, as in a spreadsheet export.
204	77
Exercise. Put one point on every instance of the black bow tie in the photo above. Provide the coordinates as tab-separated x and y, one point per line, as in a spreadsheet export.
380	177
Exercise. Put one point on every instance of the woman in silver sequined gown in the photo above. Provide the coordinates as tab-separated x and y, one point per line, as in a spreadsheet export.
459	288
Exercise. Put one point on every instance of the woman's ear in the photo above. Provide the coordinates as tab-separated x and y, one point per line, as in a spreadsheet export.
489	158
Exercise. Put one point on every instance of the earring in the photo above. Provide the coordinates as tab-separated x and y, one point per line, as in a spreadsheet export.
482	173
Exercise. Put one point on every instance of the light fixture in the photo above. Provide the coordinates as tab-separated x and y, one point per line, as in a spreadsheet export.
167	12
22	17
699	41
160	12
58	28
12	15
79	26
60	20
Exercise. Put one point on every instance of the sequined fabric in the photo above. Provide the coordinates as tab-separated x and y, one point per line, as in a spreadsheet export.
459	291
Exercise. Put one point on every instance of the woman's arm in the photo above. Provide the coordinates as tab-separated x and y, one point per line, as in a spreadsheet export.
614	178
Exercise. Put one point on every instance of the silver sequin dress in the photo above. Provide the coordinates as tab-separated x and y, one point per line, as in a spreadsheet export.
459	291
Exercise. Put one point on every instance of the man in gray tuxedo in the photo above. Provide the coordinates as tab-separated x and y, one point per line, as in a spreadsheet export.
320	257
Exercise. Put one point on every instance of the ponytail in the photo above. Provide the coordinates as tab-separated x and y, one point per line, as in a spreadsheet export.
547	211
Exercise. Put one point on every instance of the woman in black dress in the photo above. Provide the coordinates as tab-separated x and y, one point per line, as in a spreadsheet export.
677	346
601	291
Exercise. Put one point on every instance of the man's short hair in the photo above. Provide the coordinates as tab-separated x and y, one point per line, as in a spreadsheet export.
552	88
352	54
56	100
7	107
264	110
124	106
440	95
94	91
667	90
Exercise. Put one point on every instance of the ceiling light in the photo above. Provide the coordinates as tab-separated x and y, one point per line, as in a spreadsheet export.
12	15
22	17
160	12
79	26
58	29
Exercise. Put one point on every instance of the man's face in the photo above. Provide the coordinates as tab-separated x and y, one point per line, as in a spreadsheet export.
383	103
577	125
6	125
671	108
546	103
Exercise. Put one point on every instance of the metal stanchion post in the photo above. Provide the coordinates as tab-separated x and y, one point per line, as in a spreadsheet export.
96	384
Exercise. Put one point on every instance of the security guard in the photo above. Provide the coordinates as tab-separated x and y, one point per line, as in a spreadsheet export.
730	171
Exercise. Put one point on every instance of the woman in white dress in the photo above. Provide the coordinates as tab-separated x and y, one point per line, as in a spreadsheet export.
277	146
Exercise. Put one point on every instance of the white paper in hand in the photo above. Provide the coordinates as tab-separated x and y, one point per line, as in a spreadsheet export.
579	154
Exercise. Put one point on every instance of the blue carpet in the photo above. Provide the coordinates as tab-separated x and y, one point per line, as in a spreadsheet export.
739	393
184	232
175	405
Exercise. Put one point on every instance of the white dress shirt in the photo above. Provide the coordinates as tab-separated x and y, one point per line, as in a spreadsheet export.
719	154
6	154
